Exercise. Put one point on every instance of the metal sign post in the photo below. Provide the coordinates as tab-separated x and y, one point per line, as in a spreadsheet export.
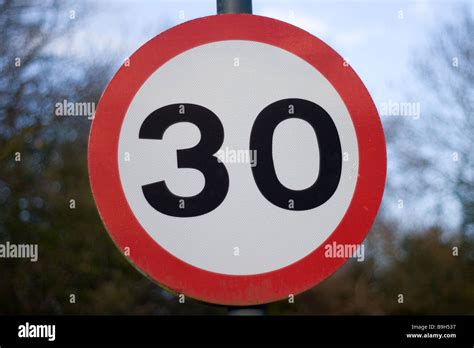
239	6
234	6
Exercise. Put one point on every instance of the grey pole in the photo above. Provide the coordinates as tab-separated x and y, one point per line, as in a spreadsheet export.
234	6
247	311
239	6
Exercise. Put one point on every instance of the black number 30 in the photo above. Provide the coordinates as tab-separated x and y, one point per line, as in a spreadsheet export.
201	157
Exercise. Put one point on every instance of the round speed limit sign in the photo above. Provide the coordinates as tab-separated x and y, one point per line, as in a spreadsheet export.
230	153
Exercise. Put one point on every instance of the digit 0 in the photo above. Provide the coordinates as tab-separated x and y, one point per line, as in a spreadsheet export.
330	154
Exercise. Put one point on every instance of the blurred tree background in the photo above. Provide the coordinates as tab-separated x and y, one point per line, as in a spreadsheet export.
431	268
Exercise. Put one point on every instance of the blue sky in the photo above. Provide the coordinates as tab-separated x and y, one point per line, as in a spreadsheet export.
369	34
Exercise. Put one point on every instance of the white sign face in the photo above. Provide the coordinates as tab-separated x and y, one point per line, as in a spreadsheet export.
238	230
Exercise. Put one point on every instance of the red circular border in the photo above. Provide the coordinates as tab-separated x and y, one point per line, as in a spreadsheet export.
159	264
